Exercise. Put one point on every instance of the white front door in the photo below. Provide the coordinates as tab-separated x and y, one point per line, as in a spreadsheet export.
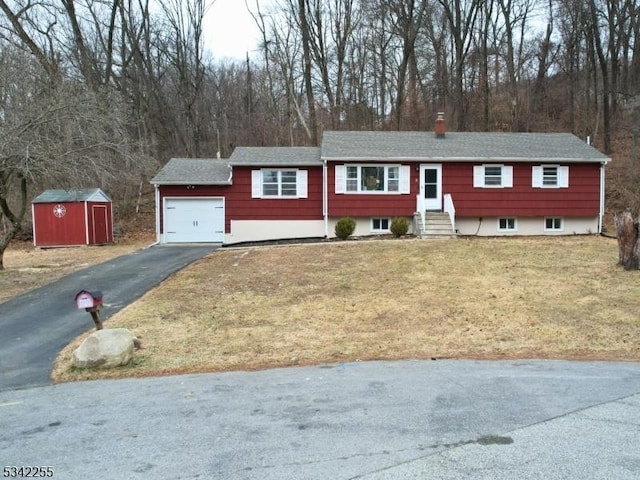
430	187
194	220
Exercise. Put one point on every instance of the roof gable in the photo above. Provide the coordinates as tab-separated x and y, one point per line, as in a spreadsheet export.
62	196
457	146
194	171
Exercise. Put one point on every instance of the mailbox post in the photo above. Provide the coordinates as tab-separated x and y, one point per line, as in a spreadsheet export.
91	302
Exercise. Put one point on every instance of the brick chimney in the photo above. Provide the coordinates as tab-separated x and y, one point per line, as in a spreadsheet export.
440	127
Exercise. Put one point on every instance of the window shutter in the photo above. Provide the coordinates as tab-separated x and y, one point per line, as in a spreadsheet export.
507	176
301	183
536	176
478	176
563	177
341	178
405	179
256	183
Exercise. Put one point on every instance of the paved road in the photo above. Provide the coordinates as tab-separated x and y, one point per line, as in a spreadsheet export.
36	326
373	421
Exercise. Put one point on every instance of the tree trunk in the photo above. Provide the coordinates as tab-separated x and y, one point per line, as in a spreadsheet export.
13	220
308	81
628	234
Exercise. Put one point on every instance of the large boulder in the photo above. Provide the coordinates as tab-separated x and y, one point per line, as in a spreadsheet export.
108	348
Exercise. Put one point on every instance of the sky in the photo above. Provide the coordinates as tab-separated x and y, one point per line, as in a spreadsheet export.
229	30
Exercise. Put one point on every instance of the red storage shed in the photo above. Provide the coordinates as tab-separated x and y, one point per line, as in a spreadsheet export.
63	218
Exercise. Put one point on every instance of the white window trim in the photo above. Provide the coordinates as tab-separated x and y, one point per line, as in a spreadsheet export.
381	230
561	229
301	183
404	179
537	176
515	224
479	176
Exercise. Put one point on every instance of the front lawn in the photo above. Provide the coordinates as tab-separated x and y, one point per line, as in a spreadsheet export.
250	308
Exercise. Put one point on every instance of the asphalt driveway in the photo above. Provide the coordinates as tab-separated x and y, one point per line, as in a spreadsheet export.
36	326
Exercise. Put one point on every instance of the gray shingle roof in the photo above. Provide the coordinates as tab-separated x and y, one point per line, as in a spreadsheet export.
194	171
82	195
276	156
457	146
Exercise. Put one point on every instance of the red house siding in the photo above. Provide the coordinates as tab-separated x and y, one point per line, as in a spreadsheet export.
240	206
371	205
581	199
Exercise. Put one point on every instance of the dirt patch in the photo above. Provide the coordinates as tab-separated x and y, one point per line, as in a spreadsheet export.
251	308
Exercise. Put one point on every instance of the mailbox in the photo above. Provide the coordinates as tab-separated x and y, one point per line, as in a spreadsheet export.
91	302
88	300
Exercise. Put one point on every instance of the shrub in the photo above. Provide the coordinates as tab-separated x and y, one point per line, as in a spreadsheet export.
399	226
345	227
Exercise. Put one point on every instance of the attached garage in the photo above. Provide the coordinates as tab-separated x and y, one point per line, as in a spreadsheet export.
193	220
190	200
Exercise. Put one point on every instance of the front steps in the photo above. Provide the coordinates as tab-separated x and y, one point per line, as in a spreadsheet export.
436	225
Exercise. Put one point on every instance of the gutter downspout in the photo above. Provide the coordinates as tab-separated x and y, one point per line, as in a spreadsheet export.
157	192
601	215
325	198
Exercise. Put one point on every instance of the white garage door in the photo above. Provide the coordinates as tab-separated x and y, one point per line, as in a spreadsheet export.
193	220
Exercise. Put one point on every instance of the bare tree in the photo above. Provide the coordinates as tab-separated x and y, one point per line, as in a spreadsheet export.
408	18
184	50
515	15
282	61
461	16
610	24
302	13
27	29
64	135
544	60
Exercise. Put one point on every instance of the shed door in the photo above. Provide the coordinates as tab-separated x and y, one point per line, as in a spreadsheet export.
100	224
193	220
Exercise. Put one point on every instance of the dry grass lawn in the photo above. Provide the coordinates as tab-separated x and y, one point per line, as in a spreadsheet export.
253	308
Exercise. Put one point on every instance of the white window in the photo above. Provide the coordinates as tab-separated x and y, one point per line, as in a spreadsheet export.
550	176
379	224
553	224
508	224
279	183
372	179
493	176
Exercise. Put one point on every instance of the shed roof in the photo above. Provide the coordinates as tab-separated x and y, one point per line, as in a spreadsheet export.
194	171
62	196
276	156
457	146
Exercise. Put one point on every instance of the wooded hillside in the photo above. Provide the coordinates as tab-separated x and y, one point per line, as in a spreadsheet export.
101	93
